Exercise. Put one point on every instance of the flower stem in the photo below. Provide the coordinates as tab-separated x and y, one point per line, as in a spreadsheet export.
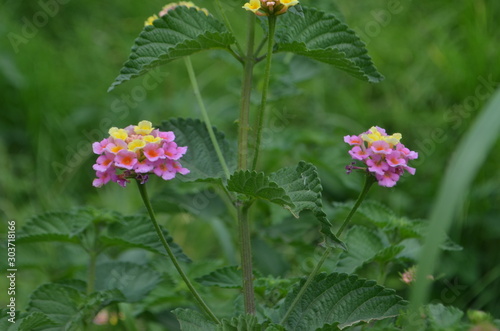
246	90
369	180
201	104
91	273
265	89
203	305
246	259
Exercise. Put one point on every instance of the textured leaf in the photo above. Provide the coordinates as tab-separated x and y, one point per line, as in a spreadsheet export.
191	320
200	158
258	186
324	38
340	298
241	323
56	226
68	307
139	232
181	33
442	317
135	281
25	322
303	186
227	277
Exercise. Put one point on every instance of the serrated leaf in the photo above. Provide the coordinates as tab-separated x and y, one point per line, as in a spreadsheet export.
442	317
69	308
200	158
340	298
24	322
303	186
135	281
241	323
322	37
56	226
191	320
329	327
227	277
139	232
389	253
258	186
180	33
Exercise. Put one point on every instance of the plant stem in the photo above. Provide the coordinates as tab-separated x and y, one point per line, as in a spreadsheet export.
246	90
203	305
201	104
91	272
265	89
246	259
369	180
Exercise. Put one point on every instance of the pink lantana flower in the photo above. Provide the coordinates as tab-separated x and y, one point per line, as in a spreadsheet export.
135	152
384	155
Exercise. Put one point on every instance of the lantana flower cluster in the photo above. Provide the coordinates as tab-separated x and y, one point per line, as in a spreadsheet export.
135	152
384	155
172	6
269	7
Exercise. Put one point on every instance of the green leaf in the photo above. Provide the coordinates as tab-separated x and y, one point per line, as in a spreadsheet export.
135	281
322	37
200	158
442	317
56	226
227	277
258	186
363	245
139	232
68	307
191	320
303	186
180	33
241	323
33	321
340	298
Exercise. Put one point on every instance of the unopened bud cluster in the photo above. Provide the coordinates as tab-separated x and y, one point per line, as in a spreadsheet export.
269	7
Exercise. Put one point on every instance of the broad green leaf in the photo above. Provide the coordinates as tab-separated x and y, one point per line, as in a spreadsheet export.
227	277
442	317
322	37
241	323
200	158
329	327
139	232
363	245
24	322
340	298
68	307
389	253
180	33
191	320
56	226
135	281
258	186
303	186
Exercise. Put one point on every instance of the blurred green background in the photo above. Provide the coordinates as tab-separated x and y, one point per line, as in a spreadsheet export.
441	63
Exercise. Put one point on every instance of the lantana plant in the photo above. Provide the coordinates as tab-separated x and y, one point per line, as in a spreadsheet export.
328	300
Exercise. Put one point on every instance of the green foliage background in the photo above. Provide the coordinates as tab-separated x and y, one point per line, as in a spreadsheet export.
435	56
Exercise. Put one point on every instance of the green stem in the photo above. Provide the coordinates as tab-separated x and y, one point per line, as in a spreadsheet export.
91	272
368	183
246	90
201	104
203	305
265	89
246	259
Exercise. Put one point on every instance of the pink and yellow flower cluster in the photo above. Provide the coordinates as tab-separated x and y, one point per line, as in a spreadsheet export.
269	7
384	155
135	152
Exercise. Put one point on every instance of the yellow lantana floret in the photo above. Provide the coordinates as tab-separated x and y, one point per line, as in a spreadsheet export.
376	135
118	133
136	144
289	3
150	20
144	128
253	5
150	139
